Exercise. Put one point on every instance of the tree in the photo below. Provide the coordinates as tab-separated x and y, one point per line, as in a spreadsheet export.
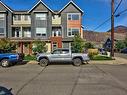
77	44
39	47
6	44
125	42
88	45
120	45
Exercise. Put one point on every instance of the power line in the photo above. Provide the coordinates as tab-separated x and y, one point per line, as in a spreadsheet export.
102	24
118	6
120	13
110	17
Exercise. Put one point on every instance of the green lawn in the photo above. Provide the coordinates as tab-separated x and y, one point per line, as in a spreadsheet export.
30	57
100	57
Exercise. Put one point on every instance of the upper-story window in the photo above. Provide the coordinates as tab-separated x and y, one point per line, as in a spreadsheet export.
41	16
1	16
27	17
73	16
2	25
73	31
17	17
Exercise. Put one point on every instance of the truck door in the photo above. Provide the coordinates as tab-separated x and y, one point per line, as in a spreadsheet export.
65	55
55	56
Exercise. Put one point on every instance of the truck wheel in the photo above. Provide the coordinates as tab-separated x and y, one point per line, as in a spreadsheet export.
43	62
77	62
5	63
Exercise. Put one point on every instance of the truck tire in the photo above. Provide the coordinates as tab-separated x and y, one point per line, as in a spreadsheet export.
5	63
77	62
43	62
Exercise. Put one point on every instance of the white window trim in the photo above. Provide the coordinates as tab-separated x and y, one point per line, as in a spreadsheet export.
71	32
41	17
74	14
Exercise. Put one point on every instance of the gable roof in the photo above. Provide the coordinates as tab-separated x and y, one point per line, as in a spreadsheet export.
6	6
40	1
71	2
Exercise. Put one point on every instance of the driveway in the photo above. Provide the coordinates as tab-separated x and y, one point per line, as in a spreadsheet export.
56	79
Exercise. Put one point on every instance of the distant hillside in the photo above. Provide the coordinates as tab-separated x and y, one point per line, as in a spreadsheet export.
120	29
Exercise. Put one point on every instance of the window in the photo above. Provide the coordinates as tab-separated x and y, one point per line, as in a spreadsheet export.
2	25
17	17
41	16
2	33
27	32
73	31
26	17
41	32
56	32
73	16
56	51
1	16
65	51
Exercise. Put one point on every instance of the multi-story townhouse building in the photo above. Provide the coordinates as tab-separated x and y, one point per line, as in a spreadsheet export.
56	28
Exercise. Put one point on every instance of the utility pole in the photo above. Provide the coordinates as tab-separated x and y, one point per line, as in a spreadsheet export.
112	28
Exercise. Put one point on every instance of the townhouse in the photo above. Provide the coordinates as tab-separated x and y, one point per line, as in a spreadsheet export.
56	28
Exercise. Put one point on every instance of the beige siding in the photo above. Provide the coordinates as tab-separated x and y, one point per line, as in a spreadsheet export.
56	20
48	45
22	21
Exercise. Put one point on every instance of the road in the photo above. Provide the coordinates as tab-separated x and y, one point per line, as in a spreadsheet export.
56	79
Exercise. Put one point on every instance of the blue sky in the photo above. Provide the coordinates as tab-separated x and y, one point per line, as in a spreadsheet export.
95	11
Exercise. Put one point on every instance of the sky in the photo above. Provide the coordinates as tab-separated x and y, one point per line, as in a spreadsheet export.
95	11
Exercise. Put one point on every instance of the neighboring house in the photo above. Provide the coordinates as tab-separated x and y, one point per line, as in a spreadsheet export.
56	28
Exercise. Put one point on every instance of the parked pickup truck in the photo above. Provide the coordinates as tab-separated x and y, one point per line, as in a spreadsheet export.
62	55
8	59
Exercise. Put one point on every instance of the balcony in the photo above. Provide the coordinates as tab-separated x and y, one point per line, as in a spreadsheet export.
21	32
21	20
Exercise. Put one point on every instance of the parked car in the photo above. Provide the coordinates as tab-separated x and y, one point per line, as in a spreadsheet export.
62	55
7	59
124	50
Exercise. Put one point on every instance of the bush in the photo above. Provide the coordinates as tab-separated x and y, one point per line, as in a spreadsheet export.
30	57
39	47
92	52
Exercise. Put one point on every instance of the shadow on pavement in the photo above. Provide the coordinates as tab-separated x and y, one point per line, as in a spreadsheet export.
5	91
22	63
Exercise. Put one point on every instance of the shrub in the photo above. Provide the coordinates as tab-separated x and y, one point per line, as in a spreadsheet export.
92	52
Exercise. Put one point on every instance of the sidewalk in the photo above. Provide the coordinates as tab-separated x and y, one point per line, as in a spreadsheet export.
118	60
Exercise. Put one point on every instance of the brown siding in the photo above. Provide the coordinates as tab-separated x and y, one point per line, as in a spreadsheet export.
58	40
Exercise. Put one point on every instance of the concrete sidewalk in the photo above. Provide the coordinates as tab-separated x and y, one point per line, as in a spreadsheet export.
118	60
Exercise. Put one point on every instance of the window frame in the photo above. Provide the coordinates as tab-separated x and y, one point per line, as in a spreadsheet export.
41	18
41	33
70	14
71	32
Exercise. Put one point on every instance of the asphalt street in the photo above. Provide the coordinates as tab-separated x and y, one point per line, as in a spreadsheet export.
56	79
